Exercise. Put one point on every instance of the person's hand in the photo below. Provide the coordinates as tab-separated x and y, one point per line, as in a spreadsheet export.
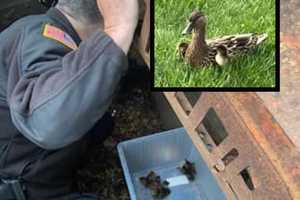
120	20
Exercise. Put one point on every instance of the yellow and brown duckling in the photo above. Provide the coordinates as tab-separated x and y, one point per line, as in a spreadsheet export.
201	52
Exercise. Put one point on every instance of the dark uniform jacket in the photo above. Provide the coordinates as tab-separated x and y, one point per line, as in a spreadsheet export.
51	93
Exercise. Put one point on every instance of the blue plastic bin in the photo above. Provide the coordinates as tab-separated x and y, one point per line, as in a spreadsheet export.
163	153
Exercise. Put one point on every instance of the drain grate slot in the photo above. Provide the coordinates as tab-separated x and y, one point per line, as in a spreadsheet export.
230	156
247	178
214	126
184	102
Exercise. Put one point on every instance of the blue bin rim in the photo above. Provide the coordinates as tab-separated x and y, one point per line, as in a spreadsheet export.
142	138
121	153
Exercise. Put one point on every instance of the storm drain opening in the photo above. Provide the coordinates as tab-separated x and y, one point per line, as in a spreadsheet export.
247	178
230	156
214	126
192	97
204	136
211	130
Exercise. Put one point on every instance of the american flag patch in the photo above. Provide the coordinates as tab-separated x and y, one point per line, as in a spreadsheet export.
58	35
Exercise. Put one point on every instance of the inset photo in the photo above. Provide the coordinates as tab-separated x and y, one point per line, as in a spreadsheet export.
212	44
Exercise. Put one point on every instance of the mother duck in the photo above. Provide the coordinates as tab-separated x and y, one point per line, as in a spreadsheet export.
218	51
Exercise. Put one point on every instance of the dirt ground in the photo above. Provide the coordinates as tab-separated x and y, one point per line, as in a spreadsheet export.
135	117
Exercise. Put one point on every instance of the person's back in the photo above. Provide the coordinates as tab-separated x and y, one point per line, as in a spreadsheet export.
7	38
53	90
20	158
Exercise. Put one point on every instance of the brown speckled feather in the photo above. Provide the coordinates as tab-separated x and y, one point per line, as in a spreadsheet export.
238	44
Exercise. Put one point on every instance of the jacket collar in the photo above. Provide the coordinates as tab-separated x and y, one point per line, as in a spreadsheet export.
62	21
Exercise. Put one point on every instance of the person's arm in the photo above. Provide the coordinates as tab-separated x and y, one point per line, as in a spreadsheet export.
120	20
55	100
122	36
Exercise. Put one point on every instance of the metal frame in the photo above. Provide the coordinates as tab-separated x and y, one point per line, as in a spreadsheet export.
265	153
144	38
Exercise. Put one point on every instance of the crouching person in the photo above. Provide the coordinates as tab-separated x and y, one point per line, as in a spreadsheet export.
58	73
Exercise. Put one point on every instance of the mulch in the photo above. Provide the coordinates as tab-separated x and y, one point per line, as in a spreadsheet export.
135	117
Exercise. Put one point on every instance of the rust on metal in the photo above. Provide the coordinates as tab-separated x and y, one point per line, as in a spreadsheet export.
262	128
285	106
259	159
271	137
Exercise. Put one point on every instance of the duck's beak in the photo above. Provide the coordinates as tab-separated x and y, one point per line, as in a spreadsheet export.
188	29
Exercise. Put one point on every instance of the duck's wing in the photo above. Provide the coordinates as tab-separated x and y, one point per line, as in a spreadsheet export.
210	59
236	44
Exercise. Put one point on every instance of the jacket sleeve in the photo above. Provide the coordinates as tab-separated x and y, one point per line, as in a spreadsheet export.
60	94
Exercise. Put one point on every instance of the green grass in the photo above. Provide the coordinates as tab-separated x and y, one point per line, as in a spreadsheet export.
224	18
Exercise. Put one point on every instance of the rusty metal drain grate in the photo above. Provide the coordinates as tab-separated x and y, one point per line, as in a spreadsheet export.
243	144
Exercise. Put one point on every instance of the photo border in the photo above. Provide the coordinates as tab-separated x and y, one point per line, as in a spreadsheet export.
218	89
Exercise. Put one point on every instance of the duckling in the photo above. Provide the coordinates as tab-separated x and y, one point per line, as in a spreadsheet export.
159	189
181	49
222	55
188	169
218	51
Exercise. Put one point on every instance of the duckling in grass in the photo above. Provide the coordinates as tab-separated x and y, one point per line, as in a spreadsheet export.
222	55
218	51
181	48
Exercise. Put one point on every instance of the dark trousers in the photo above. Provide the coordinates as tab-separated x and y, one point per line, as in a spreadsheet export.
95	136
50	174
101	130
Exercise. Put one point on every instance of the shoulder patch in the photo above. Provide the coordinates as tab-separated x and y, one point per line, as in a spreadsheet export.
59	35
